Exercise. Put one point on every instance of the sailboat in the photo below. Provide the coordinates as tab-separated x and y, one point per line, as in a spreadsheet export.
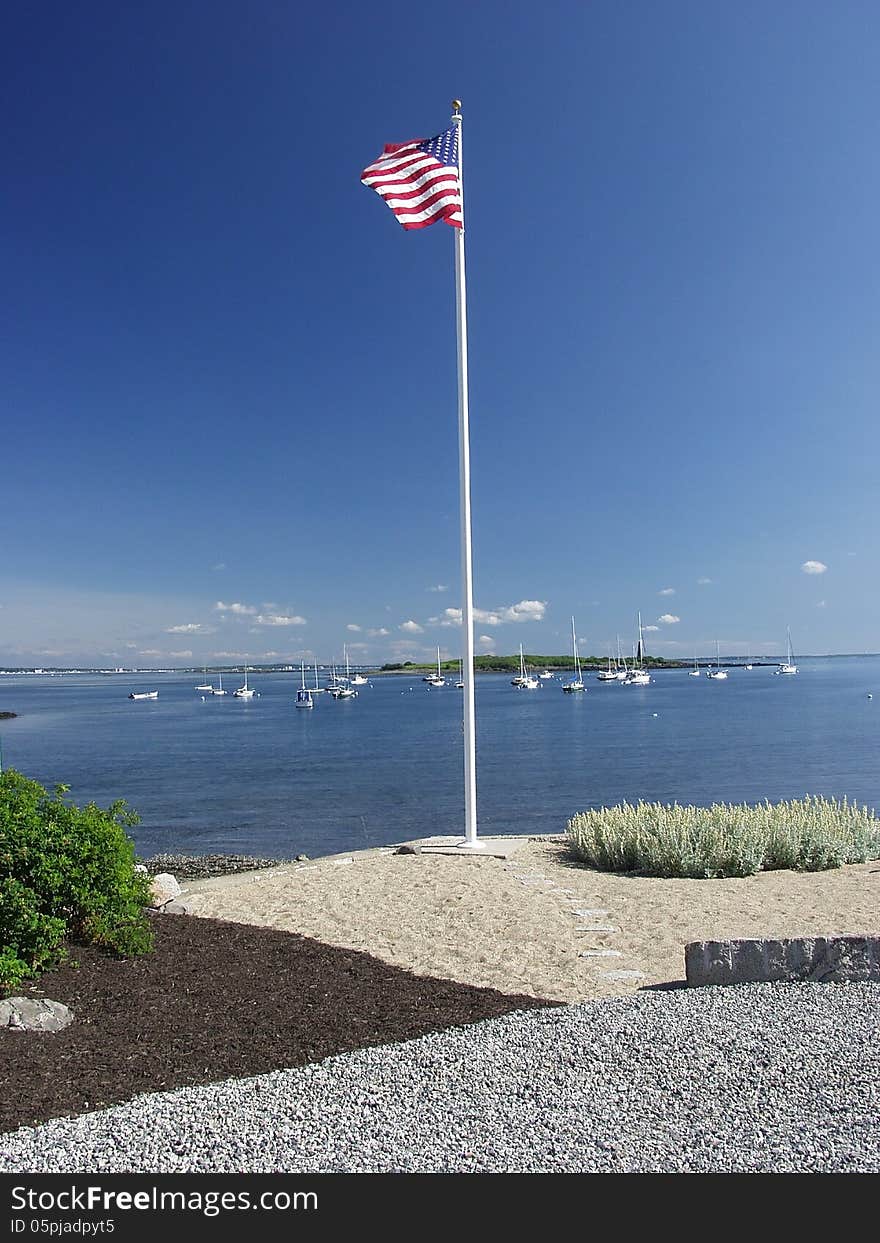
695	672
638	675
526	681
717	672
219	690
304	695
435	679
748	663
206	685
460	683
788	666
609	674
339	687
577	682
243	692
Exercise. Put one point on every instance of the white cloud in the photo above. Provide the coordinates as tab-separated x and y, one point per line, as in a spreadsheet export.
412	627
439	587
486	638
229	655
667	591
147	651
647	628
378	634
186	628
668	619
820	604
240	609
524	611
182	655
221	565
358	647
276	619
352	626
703	581
814	567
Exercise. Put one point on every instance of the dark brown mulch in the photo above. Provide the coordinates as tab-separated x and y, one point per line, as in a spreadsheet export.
216	1000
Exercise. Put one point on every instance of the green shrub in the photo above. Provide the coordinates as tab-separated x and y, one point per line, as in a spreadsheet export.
66	874
726	839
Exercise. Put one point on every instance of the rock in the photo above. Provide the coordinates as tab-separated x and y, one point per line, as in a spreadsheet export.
176	908
139	867
163	889
27	1014
301	859
410	848
831	959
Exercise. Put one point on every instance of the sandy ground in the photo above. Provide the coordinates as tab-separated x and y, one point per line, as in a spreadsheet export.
524	924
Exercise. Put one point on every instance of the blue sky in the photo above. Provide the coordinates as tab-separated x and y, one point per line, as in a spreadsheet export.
229	388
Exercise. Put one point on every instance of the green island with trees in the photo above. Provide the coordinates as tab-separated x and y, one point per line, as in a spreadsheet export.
508	664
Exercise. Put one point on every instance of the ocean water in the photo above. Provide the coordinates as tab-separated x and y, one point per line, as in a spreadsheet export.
222	775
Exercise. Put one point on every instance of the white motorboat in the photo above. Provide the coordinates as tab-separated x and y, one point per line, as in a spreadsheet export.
144	695
788	665
358	679
577	682
545	675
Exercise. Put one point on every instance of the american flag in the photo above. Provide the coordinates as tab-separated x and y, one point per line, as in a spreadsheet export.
419	180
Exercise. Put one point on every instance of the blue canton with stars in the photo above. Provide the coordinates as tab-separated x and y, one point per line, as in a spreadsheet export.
443	147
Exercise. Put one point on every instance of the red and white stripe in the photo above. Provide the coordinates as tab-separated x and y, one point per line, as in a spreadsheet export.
417	188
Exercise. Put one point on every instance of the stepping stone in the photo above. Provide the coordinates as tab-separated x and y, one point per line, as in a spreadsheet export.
623	975
600	954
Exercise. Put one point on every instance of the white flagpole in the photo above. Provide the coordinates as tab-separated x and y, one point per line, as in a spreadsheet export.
464	463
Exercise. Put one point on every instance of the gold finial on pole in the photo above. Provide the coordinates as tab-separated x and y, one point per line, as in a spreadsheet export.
456	107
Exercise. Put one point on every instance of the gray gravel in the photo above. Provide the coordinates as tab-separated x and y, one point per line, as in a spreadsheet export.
760	1077
201	867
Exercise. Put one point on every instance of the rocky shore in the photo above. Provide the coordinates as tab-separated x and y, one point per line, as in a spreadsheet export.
203	867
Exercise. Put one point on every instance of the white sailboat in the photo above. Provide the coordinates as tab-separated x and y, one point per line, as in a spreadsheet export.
460	683
436	679
339	687
788	666
243	692
609	674
577	682
717	672
638	675
218	690
206	685
695	672
526	681
304	695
